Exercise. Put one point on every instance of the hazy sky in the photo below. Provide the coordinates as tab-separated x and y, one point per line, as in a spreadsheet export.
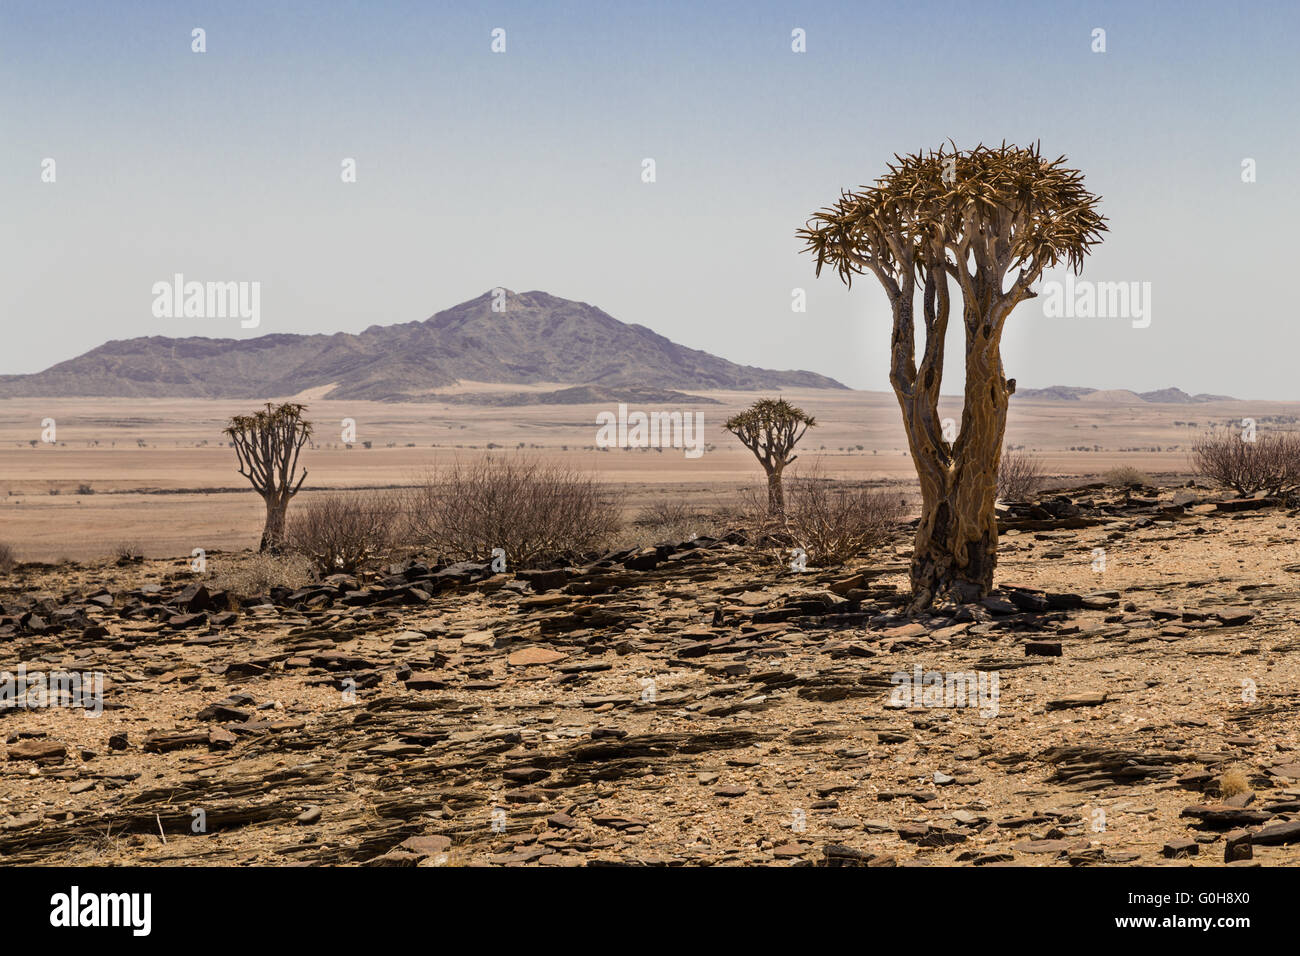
523	169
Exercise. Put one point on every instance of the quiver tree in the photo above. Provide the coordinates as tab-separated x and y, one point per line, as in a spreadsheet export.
990	221
268	443
770	428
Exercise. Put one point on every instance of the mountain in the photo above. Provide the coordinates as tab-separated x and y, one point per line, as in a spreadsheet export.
537	338
1178	396
1074	393
577	395
1054	393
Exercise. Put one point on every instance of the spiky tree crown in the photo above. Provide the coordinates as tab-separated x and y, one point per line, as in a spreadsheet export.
270	418
1004	208
769	412
770	428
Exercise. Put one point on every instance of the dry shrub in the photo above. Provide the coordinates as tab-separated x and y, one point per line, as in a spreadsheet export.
1270	463
1020	475
752	513
666	521
344	533
1232	783
834	522
537	512
664	512
7	559
127	551
253	575
1126	476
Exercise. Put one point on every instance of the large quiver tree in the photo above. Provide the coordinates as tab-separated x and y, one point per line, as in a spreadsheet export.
268	443
990	220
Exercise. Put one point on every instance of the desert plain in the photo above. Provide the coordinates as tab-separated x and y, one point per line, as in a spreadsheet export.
162	480
687	703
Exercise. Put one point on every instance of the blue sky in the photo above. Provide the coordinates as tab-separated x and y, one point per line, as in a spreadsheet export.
522	169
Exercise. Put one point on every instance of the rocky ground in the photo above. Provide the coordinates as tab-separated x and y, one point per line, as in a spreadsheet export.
697	704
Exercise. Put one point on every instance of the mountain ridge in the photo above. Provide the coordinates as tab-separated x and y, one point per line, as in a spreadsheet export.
1076	393
538	338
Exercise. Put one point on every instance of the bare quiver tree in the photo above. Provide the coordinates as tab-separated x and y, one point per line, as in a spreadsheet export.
990	220
770	428
268	443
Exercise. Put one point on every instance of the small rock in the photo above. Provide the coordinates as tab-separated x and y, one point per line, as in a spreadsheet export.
1078	700
1237	846
37	750
1042	648
533	656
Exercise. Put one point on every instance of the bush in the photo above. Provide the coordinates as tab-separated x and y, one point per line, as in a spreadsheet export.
1232	783
1126	476
128	551
1019	476
834	523
253	575
537	512
667	521
7	559
664	513
344	533
1271	463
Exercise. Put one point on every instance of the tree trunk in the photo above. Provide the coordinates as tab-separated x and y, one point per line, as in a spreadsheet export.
955	552
273	533
775	494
